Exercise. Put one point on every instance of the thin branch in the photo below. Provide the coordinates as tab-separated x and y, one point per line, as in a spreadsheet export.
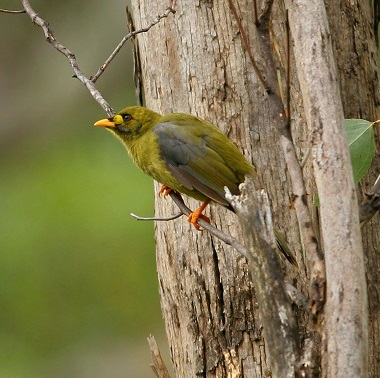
247	47
208	227
102	68
89	83
158	366
99	98
229	240
12	11
157	219
69	55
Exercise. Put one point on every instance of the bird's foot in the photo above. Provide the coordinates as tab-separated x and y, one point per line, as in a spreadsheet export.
165	190
193	219
195	215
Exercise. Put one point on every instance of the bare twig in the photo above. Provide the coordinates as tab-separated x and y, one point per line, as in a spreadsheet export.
12	11
177	199
247	47
208	227
69	55
158	366
89	83
101	69
158	219
99	98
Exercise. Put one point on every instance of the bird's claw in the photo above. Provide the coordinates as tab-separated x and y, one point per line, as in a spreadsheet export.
193	219
165	190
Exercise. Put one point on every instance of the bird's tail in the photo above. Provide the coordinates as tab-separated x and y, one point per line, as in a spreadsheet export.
282	245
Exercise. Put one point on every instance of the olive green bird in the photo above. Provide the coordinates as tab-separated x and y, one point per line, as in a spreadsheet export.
186	154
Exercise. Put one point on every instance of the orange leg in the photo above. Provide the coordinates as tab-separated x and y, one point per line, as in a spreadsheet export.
195	215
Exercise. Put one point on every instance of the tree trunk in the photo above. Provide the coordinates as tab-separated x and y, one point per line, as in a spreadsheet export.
194	62
356	57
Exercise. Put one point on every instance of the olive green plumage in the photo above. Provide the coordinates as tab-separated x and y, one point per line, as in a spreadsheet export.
182	151
186	154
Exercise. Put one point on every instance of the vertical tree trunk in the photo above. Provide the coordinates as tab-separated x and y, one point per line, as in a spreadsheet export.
194	62
356	57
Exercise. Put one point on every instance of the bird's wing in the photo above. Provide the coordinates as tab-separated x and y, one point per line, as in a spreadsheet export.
193	162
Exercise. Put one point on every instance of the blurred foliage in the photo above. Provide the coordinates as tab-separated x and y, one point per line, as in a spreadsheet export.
78	284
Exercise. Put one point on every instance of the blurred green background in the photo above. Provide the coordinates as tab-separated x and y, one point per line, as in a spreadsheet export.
78	292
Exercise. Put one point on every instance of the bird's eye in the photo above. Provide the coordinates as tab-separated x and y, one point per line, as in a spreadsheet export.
127	117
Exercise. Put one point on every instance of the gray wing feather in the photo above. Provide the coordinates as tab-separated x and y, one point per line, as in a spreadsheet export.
183	160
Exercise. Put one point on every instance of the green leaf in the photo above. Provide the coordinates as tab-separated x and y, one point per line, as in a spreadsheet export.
361	142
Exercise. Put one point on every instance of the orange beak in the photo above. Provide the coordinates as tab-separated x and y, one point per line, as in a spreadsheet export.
105	123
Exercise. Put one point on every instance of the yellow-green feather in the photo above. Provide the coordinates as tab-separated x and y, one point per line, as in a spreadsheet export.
214	162
144	149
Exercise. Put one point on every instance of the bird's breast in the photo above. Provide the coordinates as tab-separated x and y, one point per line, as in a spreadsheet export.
145	153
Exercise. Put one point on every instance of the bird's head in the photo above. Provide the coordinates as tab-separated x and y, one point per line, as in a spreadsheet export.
130	123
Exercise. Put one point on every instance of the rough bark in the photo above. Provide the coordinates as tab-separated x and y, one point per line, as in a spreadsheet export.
356	58
345	330
195	62
279	326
